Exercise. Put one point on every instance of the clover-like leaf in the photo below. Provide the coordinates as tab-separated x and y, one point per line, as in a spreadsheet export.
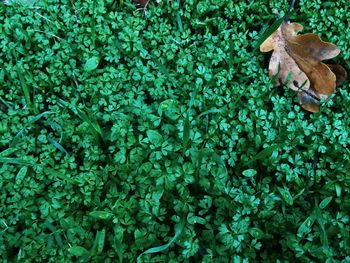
91	63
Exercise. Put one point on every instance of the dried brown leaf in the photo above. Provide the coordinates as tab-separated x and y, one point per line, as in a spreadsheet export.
282	63
297	62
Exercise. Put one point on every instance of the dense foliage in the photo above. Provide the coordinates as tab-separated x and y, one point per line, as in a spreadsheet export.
124	130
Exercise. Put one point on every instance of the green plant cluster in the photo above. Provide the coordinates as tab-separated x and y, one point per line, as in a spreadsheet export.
157	136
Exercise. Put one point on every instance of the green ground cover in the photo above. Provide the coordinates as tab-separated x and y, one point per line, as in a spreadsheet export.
124	132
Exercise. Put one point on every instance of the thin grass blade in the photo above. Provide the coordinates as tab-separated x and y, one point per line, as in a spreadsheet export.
58	146
268	32
178	230
186	132
18	161
264	153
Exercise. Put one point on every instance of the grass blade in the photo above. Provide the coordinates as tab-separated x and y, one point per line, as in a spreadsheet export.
187	123
78	251
93	25
91	121
21	173
54	231
321	221
186	132
39	116
17	138
209	112
178	18
287	197
264	153
7	104
18	161
209	153
58	146
178	230
99	242
268	32
24	86
8	152
305	227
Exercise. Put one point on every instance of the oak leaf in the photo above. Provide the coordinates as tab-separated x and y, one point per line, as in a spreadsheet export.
296	61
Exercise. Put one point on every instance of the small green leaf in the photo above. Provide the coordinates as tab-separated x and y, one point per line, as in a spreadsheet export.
78	251
256	232
257	141
99	241
166	104
286	195
55	233
305	227
338	190
91	63
58	239
155	137
8	152
249	173
21	173
325	202
100	215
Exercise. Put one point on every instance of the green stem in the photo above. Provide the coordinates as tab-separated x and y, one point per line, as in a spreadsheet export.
291	7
